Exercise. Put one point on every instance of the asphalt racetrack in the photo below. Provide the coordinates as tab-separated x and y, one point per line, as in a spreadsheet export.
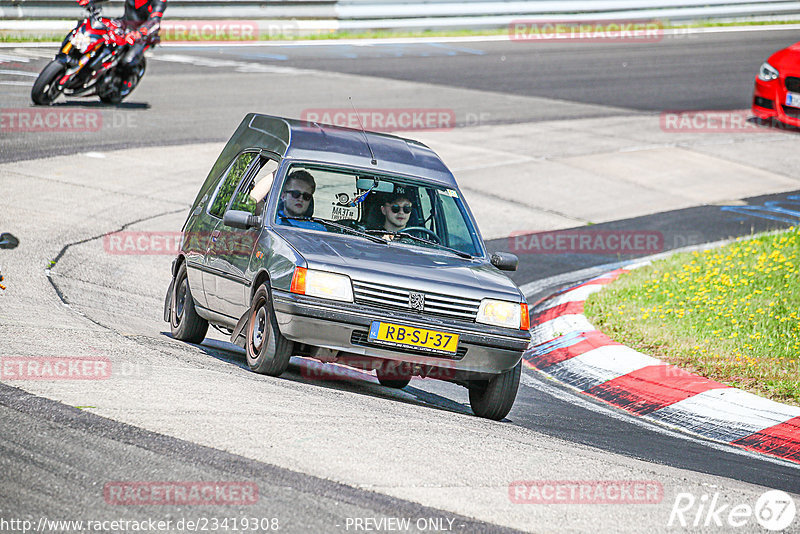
560	118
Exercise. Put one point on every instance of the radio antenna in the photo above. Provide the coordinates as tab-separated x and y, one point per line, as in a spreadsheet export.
363	132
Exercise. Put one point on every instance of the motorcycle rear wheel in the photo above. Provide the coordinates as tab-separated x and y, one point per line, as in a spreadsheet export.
45	89
122	82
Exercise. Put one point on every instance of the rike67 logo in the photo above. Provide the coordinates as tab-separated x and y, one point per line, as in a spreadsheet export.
775	510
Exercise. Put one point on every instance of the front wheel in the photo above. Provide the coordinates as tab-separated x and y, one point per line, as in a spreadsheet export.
493	399
45	89
268	352
184	322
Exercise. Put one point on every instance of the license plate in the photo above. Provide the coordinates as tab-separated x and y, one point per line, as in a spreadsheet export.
793	99
408	336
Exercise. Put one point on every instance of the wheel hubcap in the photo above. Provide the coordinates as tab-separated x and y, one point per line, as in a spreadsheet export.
259	328
180	304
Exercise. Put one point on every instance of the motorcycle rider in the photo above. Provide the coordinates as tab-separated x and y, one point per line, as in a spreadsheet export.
141	22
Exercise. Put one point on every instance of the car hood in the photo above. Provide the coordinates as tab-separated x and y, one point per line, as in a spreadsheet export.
787	59
401	265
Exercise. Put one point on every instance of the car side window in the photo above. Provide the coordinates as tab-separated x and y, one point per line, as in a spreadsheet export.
258	186
228	184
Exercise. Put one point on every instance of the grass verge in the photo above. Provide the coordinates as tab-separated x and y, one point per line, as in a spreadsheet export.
730	314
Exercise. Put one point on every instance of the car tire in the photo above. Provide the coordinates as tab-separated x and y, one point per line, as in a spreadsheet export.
268	352
393	376
493	399
184	322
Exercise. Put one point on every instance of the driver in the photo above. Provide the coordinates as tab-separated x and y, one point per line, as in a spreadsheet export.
396	211
141	22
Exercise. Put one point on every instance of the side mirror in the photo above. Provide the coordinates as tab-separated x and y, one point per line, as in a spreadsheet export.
8	241
241	219
505	261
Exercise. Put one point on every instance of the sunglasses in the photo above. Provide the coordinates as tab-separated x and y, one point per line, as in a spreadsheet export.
297	194
396	208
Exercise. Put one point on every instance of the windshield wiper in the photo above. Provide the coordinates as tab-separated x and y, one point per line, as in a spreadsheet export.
421	240
331	224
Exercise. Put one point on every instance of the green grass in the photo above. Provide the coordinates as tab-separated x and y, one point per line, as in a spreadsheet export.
730	314
15	37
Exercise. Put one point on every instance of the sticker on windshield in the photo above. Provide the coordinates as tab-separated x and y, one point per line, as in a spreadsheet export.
452	192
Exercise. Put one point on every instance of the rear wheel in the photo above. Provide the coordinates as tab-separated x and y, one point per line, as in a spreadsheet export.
45	89
393	375
268	352
494	398
184	322
121	82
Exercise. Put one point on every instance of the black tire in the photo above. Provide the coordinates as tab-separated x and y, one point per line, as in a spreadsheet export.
184	322
44	90
268	352
122	82
393	375
493	399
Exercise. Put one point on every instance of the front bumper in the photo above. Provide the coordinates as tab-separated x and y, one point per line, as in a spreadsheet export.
768	102
483	350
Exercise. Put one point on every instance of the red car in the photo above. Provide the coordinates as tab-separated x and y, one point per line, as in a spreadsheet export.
777	91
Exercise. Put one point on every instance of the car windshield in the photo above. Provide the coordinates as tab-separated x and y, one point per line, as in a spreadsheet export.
398	210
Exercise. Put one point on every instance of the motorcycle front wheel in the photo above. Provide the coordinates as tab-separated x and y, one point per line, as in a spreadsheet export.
45	89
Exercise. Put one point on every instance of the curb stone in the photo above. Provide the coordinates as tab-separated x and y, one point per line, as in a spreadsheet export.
566	346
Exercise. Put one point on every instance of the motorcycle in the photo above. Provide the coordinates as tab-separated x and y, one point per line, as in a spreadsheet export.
88	63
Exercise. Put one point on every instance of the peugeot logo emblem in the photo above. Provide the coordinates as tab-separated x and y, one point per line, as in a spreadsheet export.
416	301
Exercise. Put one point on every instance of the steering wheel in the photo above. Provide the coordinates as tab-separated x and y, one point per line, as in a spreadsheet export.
426	233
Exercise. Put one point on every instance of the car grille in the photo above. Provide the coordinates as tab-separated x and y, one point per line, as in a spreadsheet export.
792	84
386	296
361	337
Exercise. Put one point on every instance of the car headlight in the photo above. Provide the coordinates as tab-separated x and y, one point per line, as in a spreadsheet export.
504	313
767	72
322	284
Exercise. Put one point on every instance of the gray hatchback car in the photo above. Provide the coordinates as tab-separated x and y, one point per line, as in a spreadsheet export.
350	247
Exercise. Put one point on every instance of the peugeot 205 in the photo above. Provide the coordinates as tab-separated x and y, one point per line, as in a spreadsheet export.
349	247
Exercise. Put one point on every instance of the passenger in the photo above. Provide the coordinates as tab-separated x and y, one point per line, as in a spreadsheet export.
396	211
296	200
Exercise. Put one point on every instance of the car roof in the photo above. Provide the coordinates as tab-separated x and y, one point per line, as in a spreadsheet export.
336	145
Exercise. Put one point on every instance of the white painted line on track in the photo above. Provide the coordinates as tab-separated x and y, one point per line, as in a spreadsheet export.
21	84
19	73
